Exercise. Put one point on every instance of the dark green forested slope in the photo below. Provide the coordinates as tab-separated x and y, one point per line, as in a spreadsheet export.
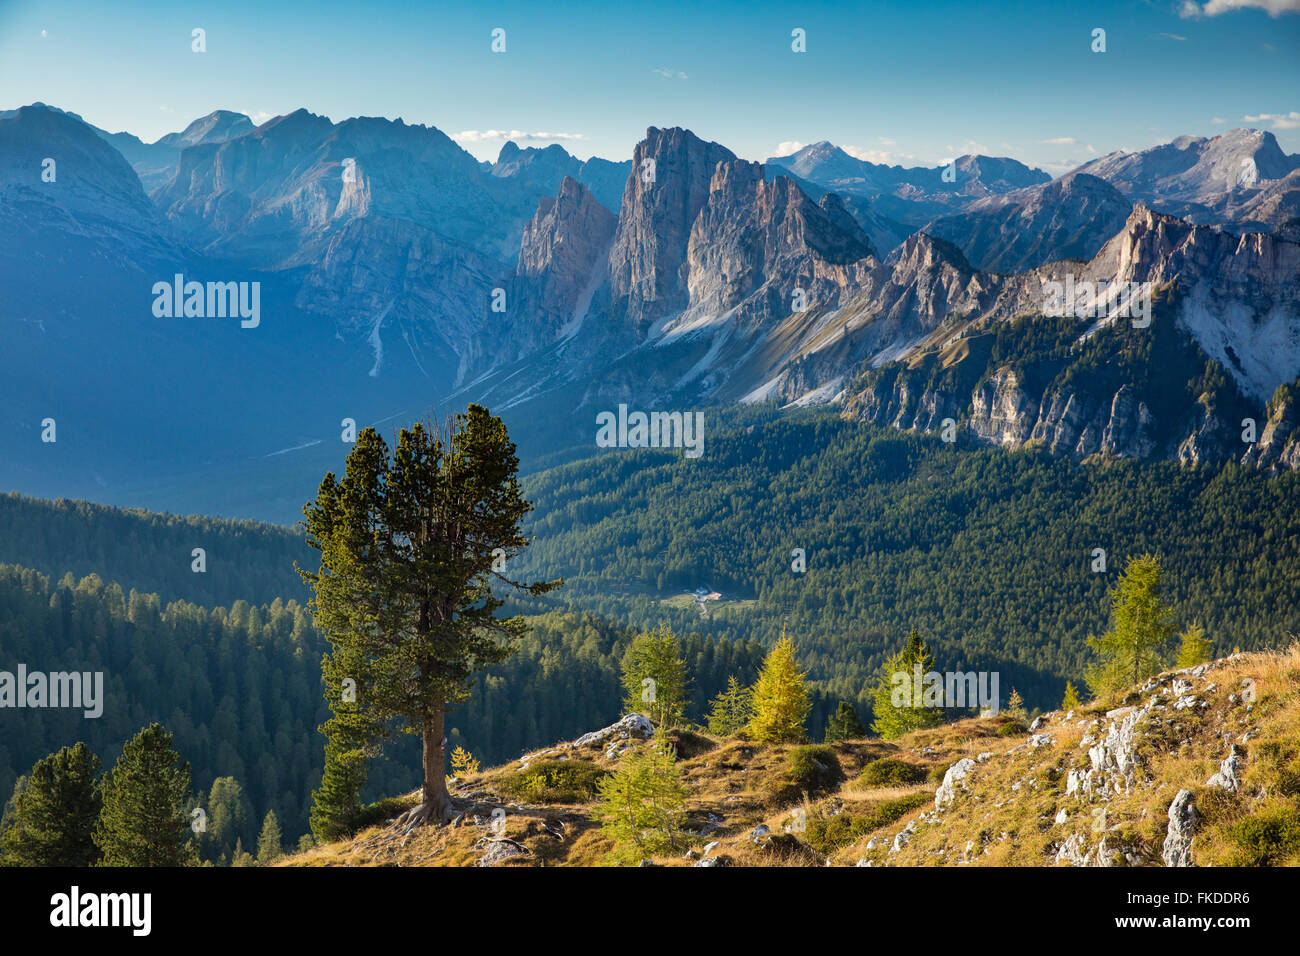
151	552
987	552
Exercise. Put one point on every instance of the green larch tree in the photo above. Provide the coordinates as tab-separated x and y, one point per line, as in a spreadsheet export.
654	677
270	842
896	707
1071	699
642	805
1141	628
731	710
844	724
1193	647
780	697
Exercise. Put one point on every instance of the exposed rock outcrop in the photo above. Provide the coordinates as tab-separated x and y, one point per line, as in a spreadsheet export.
1177	850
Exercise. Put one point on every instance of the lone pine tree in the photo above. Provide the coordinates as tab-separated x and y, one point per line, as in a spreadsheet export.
409	544
55	814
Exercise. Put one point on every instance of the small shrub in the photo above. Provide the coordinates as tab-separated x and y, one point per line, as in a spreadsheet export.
689	743
463	762
815	768
789	850
826	833
1012	729
1266	840
381	811
888	772
1215	806
555	781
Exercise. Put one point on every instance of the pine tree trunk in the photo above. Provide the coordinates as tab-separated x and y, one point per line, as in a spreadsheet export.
436	797
436	806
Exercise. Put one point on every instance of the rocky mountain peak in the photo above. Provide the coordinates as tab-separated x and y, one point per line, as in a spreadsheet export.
561	262
672	170
920	252
757	240
984	175
90	175
217	127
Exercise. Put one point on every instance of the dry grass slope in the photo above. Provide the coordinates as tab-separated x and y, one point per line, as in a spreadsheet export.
1088	788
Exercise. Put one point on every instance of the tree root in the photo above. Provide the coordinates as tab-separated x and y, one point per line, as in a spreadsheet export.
426	815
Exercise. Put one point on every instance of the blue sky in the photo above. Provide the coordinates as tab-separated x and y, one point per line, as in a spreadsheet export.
910	83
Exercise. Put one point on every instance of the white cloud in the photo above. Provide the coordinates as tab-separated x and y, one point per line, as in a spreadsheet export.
258	116
518	135
1057	169
968	148
1061	141
879	156
670	74
886	141
1218	121
1190	10
1172	36
789	147
1279	120
44	34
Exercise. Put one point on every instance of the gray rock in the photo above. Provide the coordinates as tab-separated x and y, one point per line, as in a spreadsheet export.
500	850
1227	777
633	725
954	778
1182	827
903	838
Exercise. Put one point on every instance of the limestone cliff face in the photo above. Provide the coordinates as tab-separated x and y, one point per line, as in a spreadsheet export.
395	285
1075	423
561	260
765	248
671	173
1001	411
1278	447
1089	384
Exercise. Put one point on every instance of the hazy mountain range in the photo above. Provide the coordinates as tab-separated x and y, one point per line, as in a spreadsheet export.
397	273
